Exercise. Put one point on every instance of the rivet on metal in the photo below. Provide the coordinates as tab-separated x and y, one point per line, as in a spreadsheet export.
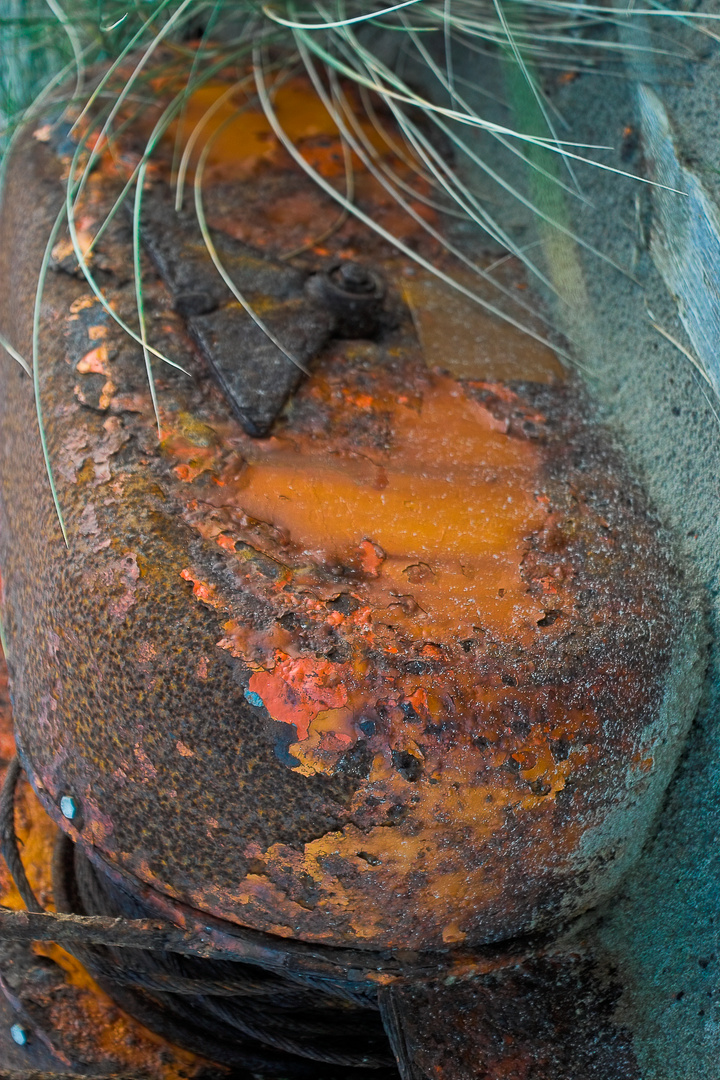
68	807
18	1034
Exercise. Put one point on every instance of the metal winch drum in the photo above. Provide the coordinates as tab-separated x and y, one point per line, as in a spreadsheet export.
371	671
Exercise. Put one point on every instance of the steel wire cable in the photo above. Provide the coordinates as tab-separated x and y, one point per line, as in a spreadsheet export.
229	1011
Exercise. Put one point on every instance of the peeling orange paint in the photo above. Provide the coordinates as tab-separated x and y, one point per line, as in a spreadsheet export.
242	139
296	691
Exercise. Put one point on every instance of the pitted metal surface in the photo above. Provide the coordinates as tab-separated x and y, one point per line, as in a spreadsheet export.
265	710
550	1016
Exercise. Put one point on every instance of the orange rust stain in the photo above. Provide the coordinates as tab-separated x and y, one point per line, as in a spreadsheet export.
94	361
96	1027
296	691
456	494
189	472
36	835
200	590
241	138
65	249
81	304
449	879
330	733
226	542
372	557
452	934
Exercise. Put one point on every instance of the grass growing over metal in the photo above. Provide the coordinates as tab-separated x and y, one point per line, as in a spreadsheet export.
94	59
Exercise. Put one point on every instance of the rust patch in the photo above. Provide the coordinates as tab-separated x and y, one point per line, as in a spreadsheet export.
81	1017
548	1018
426	623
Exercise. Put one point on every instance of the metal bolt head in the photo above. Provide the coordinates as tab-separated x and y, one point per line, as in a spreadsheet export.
68	807
18	1034
355	278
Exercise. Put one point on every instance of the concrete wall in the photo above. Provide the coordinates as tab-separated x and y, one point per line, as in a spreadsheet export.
661	935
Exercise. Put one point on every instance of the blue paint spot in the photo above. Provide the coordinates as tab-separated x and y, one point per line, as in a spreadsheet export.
254	699
282	746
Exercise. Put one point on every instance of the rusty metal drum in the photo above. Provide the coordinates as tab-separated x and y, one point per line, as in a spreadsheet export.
379	645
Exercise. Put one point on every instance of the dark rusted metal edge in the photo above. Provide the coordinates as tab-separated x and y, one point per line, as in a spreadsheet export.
182	929
549	1018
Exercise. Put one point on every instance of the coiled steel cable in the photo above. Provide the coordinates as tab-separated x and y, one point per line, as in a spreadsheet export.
228	1011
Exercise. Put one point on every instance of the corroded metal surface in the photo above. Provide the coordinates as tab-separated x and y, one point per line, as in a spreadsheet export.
55	1022
549	1018
400	676
252	369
